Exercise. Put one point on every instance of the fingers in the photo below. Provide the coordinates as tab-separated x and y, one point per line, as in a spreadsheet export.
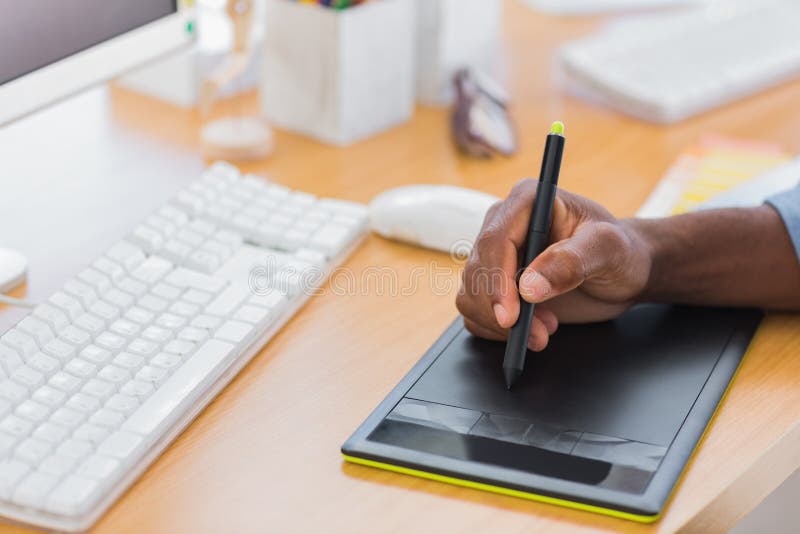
543	326
489	294
563	266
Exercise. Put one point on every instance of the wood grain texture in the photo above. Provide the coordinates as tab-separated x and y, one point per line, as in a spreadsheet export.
264	456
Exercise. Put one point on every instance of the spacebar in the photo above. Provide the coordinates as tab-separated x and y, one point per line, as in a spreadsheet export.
186	381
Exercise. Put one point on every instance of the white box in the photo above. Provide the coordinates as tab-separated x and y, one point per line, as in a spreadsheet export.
339	76
452	34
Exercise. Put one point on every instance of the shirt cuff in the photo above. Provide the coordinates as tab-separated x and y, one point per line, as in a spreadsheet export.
787	205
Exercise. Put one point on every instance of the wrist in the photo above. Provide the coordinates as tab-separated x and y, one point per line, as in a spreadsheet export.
645	245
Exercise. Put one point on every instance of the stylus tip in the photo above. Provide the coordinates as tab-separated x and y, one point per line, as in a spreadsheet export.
511	376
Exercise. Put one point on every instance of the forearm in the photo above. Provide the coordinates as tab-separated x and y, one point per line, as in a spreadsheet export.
728	257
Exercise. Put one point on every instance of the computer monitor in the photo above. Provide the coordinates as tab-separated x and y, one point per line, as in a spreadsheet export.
50	49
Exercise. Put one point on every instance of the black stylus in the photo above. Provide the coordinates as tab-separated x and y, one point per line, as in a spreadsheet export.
538	230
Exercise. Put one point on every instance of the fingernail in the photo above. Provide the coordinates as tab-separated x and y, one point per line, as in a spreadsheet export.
500	314
534	286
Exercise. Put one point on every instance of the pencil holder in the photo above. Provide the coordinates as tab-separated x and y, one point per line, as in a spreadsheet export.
338	75
452	34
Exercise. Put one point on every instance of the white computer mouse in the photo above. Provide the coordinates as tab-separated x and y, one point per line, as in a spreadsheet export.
13	267
441	217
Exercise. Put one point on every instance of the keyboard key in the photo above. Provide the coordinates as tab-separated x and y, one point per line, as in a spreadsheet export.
24	344
112	269
157	334
33	451
118	298
104	310
184	278
151	374
98	467
142	347
51	433
9	359
132	287
43	363
52	316
33	489
194	335
196	296
11	472
91	324
83	292
74	495
38	329
57	465
252	314
107	418
125	328
30	378
234	331
94	434
331	239
65	382
184	309
179	347
81	402
80	368
95	354
101	389
207	322
126	254
139	389
110	341
139	316
67	418
128	361
153	303
49	396
145	237
228	300
184	384
166	291
12	391
170	321
69	305
60	350
99	281
116	374
32	411
122	403
75	336
14	425
166	361
74	448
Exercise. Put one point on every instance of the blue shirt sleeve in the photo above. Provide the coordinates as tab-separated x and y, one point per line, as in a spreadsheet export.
787	204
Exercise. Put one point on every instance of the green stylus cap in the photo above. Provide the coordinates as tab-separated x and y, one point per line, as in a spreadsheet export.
557	128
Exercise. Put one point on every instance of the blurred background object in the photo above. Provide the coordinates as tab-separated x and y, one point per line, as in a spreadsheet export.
594	7
666	67
178	78
480	123
237	137
451	35
338	75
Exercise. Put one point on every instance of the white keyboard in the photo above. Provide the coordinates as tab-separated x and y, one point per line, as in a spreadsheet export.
667	67
98	380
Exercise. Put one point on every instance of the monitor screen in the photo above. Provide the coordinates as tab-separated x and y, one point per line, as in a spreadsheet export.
36	33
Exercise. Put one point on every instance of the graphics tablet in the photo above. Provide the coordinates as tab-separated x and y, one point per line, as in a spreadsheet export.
603	420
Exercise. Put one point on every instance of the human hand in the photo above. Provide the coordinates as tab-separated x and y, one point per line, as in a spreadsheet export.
594	268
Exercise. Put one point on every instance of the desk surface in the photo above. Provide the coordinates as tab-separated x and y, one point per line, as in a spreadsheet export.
264	455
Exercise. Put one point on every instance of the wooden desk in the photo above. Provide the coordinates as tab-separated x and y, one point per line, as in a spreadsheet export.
264	456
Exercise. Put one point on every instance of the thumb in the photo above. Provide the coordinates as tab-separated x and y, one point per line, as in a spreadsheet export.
567	264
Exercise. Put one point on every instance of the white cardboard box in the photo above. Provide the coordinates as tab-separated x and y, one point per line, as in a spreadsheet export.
452	34
338	76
